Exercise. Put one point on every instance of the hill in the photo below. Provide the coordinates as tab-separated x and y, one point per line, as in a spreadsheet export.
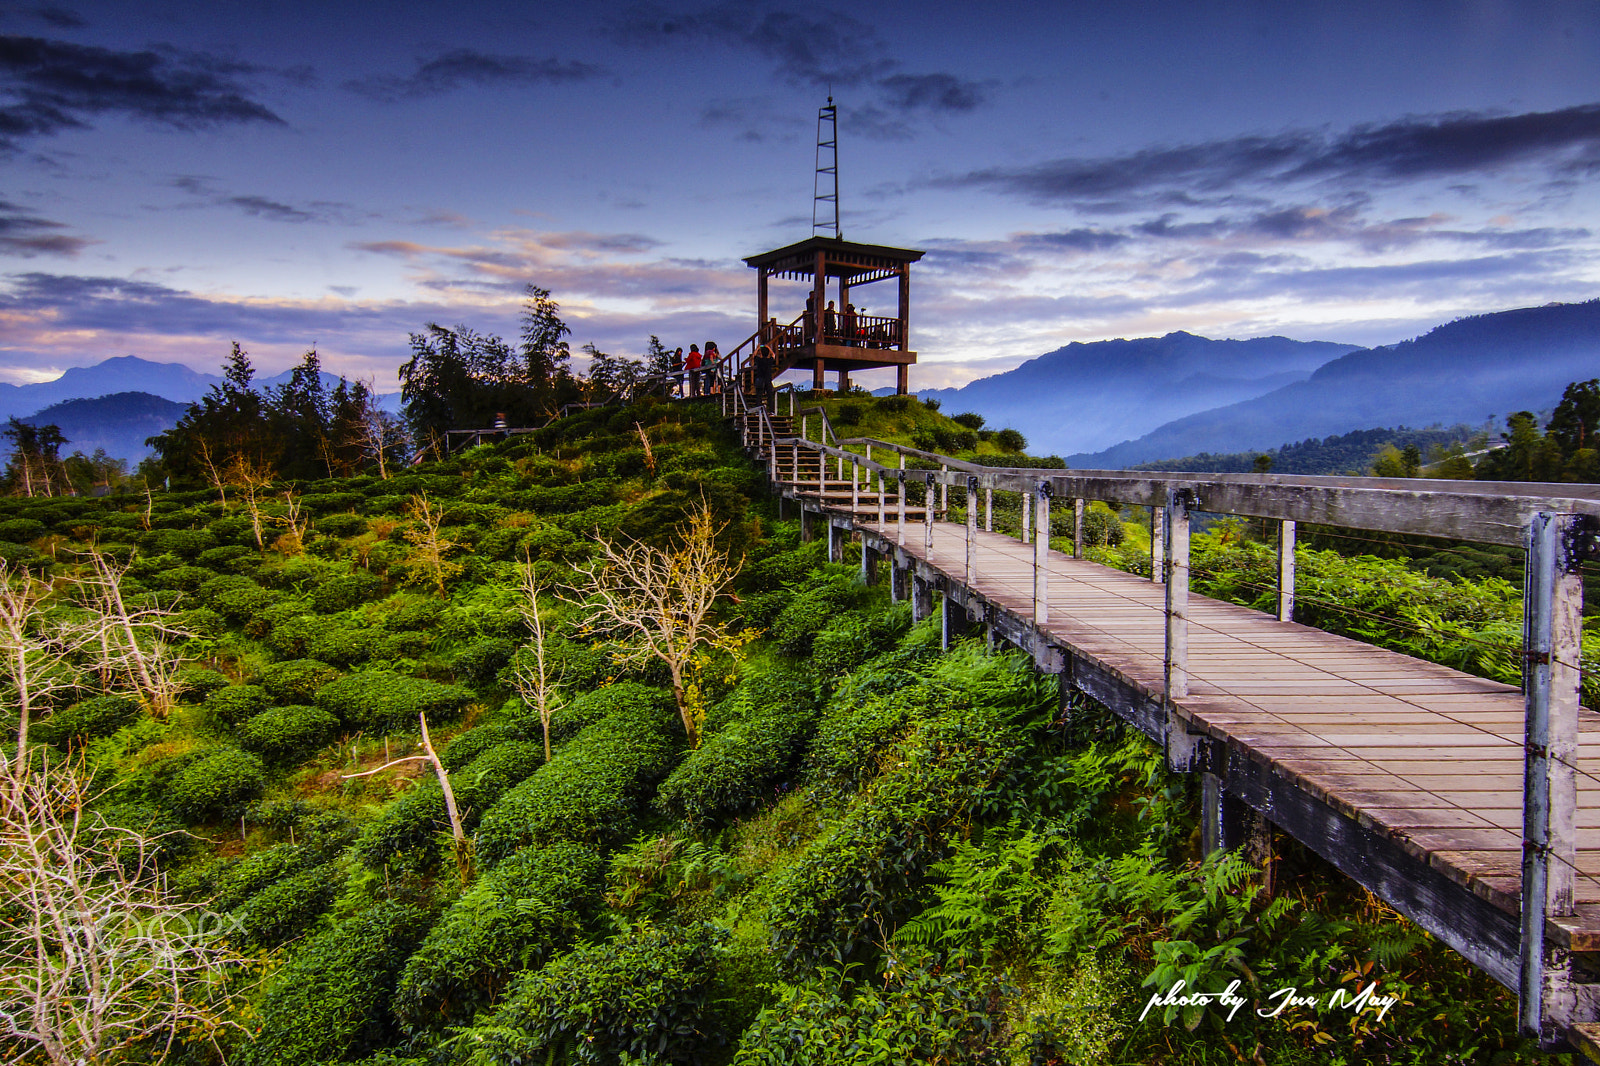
1088	396
1347	453
1465	371
119	423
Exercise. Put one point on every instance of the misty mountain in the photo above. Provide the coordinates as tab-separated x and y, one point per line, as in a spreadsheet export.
1087	396
119	423
1465	371
129	373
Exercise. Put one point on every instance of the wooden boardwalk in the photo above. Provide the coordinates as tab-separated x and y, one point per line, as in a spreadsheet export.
1429	757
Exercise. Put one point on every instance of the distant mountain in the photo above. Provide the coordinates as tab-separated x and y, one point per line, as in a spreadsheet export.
119	423
129	373
1465	371
1348	453
1087	396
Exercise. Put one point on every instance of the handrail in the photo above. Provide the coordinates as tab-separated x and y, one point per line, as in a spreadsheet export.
827	425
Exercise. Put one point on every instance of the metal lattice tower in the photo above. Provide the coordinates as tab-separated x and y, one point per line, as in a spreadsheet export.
825	188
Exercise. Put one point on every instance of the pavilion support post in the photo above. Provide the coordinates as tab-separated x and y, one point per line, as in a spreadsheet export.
816	376
819	295
1157	551
1552	631
1286	570
761	302
1175	566
902	381
1077	529
844	380
988	508
1041	556
905	318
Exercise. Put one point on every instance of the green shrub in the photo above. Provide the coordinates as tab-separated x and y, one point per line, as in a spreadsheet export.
330	1001
19	555
783	568
523	912
182	578
406	834
203	622
646	996
745	764
406	613
810	611
344	645
218	558
285	909
382	700
341	525
199	682
188	543
217	785
1011	440
244	604
98	716
297	680
238	702
346	591
390	647
479	662
22	530
255	870
288	734
970	419
322	503
591	791
291	638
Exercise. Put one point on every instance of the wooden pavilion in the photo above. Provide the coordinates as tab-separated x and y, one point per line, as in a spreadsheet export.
842	340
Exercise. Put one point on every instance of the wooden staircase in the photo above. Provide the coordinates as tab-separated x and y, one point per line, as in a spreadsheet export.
814	478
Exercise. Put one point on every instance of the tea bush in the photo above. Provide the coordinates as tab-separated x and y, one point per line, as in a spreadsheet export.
217	785
238	702
518	916
98	716
381	700
286	908
288	734
296	680
347	591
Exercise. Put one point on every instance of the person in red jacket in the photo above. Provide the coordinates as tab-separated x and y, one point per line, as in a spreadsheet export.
692	365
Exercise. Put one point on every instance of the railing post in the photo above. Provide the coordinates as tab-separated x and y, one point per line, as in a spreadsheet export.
1175	661
944	492
883	518
927	517
1286	570
855	486
1552	631
988	508
1077	529
1041	556
1027	512
1157	551
972	528
803	434
900	522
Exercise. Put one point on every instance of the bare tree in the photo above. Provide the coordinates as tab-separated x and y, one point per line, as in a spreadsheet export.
458	833
432	548
658	602
214	473
136	642
530	672
377	432
253	479
35	656
296	524
97	962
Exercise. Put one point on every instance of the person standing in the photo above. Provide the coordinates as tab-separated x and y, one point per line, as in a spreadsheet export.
762	368
830	324
675	383
713	386
850	338
692	365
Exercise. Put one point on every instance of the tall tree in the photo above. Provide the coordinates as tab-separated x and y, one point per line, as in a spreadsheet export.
544	353
35	467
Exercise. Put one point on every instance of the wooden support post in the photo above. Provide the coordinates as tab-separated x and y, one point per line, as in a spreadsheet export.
1077	529
972	530
902	381
1175	566
988	508
944	492
816	376
1027	512
807	534
794	463
834	553
896	579
803	434
1157	551
883	518
1552	631
927	516
1212	836
1286	571
855	488
921	598
869	563
1041	556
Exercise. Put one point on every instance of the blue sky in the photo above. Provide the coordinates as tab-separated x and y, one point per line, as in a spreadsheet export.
177	175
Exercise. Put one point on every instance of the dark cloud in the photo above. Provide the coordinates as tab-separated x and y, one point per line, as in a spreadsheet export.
59	17
463	66
1076	240
1440	146
29	235
49	86
260	206
826	49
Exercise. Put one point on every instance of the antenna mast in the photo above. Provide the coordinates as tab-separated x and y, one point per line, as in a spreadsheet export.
825	188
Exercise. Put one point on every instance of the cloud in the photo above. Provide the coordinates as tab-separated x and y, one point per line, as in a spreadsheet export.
1453	145
824	49
463	66
50	86
257	206
29	235
59	17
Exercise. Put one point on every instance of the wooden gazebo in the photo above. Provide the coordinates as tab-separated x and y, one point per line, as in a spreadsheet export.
841	340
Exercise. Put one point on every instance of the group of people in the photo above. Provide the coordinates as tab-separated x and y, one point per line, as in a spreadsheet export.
847	328
700	370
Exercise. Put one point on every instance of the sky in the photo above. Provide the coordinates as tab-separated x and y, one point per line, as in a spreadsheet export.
176	175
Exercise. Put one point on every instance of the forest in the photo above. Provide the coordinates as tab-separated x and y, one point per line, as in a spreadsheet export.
566	749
